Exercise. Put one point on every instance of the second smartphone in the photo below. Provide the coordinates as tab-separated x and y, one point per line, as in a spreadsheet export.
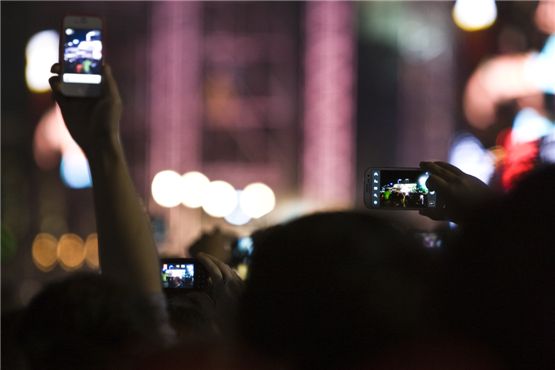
398	188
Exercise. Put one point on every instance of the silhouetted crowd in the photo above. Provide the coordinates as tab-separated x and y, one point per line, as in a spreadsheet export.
333	290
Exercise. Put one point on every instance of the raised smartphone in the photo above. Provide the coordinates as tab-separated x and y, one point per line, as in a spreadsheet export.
81	56
398	188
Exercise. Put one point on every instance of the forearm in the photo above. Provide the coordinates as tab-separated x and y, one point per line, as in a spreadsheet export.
126	245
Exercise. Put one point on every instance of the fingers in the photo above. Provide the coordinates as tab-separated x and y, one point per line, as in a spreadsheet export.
110	85
213	271
449	167
56	68
443	170
54	82
219	272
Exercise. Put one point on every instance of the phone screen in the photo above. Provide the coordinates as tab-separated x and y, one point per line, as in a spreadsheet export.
178	275
82	54
398	188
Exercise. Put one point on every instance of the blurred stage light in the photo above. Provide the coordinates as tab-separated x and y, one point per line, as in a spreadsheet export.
540	68
474	15
71	252
547	148
167	188
44	251
91	251
468	154
257	199
238	217
74	170
194	185
529	125
41	52
545	16
220	199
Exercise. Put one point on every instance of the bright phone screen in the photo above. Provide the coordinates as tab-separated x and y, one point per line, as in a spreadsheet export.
82	55
399	189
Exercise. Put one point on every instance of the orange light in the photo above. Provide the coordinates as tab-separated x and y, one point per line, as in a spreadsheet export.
91	248
71	252
44	252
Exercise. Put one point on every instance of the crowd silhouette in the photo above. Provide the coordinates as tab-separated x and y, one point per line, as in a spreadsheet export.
332	290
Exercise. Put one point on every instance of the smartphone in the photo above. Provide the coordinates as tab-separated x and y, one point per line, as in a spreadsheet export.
241	251
81	56
182	273
398	188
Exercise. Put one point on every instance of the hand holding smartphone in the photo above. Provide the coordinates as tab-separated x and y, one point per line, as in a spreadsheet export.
398	189
81	56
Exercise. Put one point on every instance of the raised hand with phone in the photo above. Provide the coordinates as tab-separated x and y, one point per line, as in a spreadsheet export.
462	194
126	246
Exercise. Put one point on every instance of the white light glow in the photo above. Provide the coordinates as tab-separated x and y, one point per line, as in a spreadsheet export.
194	186
74	170
238	217
468	154
257	199
220	199
41	52
529	125
167	188
474	15
82	78
540	68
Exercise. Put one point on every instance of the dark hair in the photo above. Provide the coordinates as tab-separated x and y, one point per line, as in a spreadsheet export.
332	289
86	321
502	273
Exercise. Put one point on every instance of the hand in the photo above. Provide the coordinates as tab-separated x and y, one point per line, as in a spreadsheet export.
226	288
90	121
459	192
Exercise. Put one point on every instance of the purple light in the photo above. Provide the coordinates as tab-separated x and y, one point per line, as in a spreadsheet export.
329	94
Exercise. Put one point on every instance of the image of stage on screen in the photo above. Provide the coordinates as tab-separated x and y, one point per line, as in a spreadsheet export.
405	189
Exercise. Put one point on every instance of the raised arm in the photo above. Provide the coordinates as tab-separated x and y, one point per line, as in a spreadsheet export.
126	245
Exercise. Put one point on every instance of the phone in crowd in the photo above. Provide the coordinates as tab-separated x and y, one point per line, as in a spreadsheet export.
182	273
398	188
81	56
241	251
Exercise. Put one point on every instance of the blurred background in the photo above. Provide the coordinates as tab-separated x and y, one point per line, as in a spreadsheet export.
239	115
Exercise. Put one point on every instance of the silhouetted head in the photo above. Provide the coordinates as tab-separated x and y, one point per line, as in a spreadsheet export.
502	275
331	289
87	321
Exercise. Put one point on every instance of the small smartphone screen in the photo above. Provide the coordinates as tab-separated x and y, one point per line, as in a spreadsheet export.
178	275
82	53
398	188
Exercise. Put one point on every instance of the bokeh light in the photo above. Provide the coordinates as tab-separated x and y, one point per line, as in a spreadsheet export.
44	251
257	200
539	69
194	185
220	199
91	251
474	15
529	125
238	217
167	188
469	155
74	170
41	52
71	252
